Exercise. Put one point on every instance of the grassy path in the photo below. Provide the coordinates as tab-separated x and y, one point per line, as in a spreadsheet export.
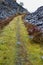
12	44
21	53
15	45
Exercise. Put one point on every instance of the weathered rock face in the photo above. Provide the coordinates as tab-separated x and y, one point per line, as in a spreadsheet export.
35	23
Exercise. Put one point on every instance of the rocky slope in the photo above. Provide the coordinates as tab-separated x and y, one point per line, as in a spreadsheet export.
33	21
8	9
34	24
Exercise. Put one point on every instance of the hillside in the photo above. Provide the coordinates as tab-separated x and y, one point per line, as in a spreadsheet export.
21	34
9	9
34	23
16	47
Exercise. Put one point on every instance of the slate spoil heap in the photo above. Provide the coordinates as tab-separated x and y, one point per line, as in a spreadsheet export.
34	23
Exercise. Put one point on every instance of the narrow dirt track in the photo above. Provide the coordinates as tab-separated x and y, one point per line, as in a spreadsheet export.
21	53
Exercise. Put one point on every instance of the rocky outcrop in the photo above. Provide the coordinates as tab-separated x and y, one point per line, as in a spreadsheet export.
8	9
34	24
4	0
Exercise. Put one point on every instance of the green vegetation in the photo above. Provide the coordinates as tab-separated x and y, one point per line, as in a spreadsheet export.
8	40
7	44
